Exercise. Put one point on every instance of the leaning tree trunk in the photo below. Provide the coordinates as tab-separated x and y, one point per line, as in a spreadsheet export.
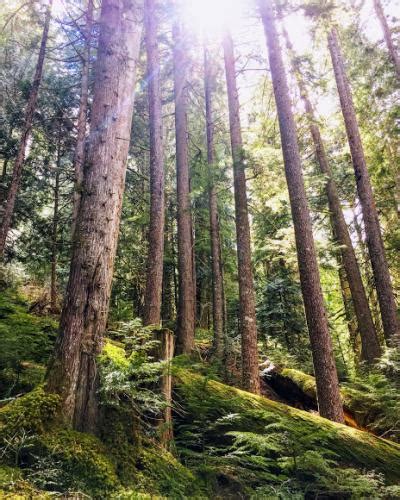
329	401
391	325
153	293
26	134
370	344
247	310
79	155
394	56
217	279
73	372
186	302
349	311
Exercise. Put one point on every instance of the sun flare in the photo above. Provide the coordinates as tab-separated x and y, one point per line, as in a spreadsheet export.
211	17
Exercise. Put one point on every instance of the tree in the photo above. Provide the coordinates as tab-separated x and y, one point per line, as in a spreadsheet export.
73	372
394	56
370	343
329	401
79	156
187	293
391	325
247	310
26	134
153	293
55	223
216	264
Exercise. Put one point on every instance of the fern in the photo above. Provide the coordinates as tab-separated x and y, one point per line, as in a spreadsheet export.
128	371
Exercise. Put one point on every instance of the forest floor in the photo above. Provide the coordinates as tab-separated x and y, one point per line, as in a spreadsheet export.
227	443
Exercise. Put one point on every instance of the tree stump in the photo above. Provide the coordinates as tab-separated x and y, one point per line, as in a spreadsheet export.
165	352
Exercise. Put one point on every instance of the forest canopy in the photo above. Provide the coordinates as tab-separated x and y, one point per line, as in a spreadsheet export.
199	245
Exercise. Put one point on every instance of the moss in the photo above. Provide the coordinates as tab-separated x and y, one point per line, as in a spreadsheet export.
13	486
9	475
115	353
303	380
26	342
140	462
83	460
161	473
220	409
31	413
127	494
196	364
122	438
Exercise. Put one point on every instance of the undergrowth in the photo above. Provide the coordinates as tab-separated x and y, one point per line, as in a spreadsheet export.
270	450
26	344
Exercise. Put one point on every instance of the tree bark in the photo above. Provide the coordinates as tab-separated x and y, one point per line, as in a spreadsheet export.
4	169
390	321
370	345
79	156
216	264
73	372
349	311
54	232
186	302
367	271
165	352
168	292
394	56
26	134
247	310
153	293
329	401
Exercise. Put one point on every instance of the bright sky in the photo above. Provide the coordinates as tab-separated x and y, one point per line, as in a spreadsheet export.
212	16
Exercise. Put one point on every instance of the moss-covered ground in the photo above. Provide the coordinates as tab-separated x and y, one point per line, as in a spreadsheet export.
26	343
228	443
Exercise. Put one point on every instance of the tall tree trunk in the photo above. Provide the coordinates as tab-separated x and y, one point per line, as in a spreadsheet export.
369	278
247	310
388	37
186	303
79	156
3	187
370	345
54	231
26	134
168	304
4	169
390	321
349	311
329	401
216	264
73	372
153	293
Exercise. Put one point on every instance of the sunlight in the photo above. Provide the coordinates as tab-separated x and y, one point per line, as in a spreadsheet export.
211	17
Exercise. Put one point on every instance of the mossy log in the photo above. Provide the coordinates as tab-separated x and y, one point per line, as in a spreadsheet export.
349	446
298	389
360	409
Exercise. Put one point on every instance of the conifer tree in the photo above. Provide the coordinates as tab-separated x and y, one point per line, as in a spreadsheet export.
26	135
383	284
370	343
247	311
217	278
328	394
153	293
73	372
187	287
